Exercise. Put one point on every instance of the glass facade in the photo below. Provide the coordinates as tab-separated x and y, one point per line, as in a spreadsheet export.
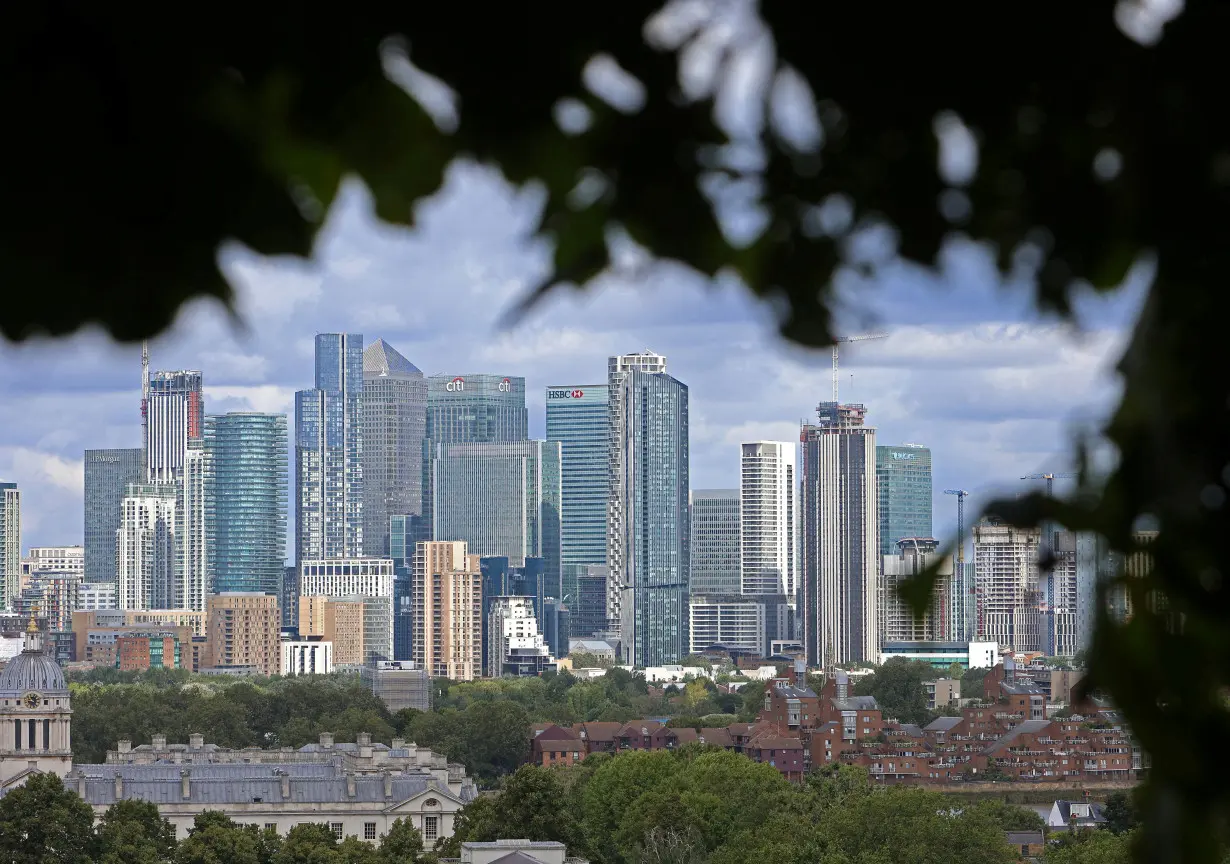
10	544
656	538
501	499
903	486
107	474
394	425
476	408
577	417
247	500
329	452
173	416
715	542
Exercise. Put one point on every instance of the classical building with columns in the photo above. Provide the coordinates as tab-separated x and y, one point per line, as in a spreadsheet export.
34	715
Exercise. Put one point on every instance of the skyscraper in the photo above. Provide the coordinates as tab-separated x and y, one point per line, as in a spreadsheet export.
839	596
476	408
394	425
767	519
617	371
903	487
146	547
174	413
329	453
194	548
502	499
577	417
714	558
652	546
108	473
898	623
447	603
10	544
1009	595
247	500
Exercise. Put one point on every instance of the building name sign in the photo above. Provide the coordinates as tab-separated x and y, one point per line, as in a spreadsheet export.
104	458
565	394
898	454
457	385
505	386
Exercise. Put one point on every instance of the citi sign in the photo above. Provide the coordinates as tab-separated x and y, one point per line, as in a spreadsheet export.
565	394
457	385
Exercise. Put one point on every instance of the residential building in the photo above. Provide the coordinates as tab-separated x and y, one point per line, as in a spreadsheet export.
10	544
108	474
650	556
194	540
96	595
618	369
516	647
368	580
340	622
329	453
242	628
941	655
306	657
1009	595
1080	563
767	514
50	595
942	692
146	548
143	650
903	489
247	500
447	602
400	684
174	412
578	418
839	608
734	622
476	409
288	597
56	559
394	426
715	560
898	623
502	499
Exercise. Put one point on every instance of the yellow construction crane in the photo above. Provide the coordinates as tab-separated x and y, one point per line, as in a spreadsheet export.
842	339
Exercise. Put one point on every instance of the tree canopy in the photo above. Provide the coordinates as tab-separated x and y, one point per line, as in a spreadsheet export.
1098	144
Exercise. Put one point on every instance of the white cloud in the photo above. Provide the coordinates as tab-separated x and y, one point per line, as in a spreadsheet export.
266	398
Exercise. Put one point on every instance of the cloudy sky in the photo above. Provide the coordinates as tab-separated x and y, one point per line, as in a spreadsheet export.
968	368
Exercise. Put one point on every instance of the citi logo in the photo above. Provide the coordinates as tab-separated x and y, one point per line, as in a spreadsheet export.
457	385
506	386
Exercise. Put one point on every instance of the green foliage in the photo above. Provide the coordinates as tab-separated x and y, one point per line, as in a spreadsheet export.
132	832
897	686
585	660
41	822
1120	812
1090	847
215	839
1010	817
489	738
403	844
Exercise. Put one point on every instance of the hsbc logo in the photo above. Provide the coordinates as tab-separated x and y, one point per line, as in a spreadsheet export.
565	394
457	385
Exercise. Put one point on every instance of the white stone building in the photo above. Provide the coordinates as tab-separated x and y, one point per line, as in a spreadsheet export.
307	658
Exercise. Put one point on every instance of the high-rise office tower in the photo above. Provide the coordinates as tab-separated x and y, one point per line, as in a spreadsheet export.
577	417
897	620
768	509
194	547
501	499
714	554
394	425
174	413
839	548
10	544
329	453
618	369
651	548
447	603
903	487
247	500
146	547
108	473
476	408
1009	595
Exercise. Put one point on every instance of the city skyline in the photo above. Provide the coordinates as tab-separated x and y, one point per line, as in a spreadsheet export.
966	371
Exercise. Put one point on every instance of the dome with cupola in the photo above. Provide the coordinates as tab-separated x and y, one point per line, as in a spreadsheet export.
32	671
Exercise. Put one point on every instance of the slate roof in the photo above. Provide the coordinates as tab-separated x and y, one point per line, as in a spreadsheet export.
856	703
790	691
717	737
1095	809
943	724
600	730
1024	838
381	358
1030	726
913	730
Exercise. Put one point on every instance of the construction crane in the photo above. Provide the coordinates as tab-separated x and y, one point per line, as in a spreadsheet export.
1050	480
842	339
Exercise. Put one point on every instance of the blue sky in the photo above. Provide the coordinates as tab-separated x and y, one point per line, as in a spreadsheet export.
969	369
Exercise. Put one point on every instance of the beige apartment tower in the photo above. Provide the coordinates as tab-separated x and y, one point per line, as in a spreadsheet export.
242	630
338	621
446	597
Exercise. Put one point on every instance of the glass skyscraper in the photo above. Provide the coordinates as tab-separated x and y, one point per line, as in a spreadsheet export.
329	453
107	474
654	536
577	417
476	408
715	542
394	424
502	499
247	500
903	486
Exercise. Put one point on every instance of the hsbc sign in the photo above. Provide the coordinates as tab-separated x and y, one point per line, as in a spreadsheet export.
565	394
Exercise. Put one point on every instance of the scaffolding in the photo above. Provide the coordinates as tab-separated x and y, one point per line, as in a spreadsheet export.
399	684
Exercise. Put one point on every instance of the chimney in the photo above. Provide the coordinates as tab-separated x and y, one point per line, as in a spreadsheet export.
184	790
843	684
363	739
177	757
285	785
196	740
800	672
124	745
399	743
326	739
81	786
119	786
388	784
158	742
349	784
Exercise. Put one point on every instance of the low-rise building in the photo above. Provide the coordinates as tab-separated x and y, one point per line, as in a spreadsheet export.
400	684
307	657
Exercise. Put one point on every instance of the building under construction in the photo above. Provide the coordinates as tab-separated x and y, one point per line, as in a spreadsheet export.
399	684
1008	591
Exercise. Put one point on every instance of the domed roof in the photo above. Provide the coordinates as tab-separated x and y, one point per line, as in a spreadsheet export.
32	670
